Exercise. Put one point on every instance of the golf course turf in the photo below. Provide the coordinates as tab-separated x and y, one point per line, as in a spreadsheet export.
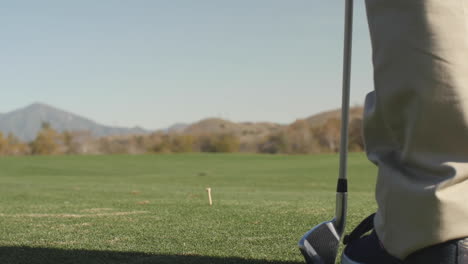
154	208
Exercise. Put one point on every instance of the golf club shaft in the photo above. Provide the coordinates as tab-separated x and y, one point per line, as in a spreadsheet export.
348	36
342	185
320	245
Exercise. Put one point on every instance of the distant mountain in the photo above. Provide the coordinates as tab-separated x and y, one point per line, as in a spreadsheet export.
178	127
319	119
26	122
217	125
246	130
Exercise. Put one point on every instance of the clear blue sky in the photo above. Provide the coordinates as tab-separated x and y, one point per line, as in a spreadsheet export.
157	62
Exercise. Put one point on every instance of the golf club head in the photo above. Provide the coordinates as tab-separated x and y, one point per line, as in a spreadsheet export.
320	245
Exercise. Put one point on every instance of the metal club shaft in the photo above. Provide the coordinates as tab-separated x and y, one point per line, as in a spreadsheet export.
348	36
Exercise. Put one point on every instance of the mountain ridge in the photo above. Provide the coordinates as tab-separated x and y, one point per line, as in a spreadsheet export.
27	121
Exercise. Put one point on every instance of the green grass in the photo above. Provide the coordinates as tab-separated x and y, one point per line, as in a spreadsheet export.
154	208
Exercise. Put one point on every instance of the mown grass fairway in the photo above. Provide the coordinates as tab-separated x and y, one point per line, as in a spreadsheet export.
154	208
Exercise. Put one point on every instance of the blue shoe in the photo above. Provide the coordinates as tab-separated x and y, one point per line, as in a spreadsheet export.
367	249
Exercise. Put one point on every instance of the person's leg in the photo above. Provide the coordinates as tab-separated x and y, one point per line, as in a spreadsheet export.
416	121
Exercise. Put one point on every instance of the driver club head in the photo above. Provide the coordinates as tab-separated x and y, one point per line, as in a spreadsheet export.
320	245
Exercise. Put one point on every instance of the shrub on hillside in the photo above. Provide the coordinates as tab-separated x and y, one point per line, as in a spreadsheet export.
181	143
225	143
356	140
217	143
273	144
47	141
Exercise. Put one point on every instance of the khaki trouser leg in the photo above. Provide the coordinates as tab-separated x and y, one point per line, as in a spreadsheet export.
416	121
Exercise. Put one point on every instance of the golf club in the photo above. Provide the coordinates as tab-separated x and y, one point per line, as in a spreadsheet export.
320	244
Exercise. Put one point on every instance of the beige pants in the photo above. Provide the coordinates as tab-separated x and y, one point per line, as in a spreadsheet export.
416	121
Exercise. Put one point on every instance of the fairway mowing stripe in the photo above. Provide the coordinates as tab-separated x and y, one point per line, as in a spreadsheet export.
74	215
96	210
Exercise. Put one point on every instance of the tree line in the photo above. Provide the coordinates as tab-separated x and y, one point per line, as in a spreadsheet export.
297	138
